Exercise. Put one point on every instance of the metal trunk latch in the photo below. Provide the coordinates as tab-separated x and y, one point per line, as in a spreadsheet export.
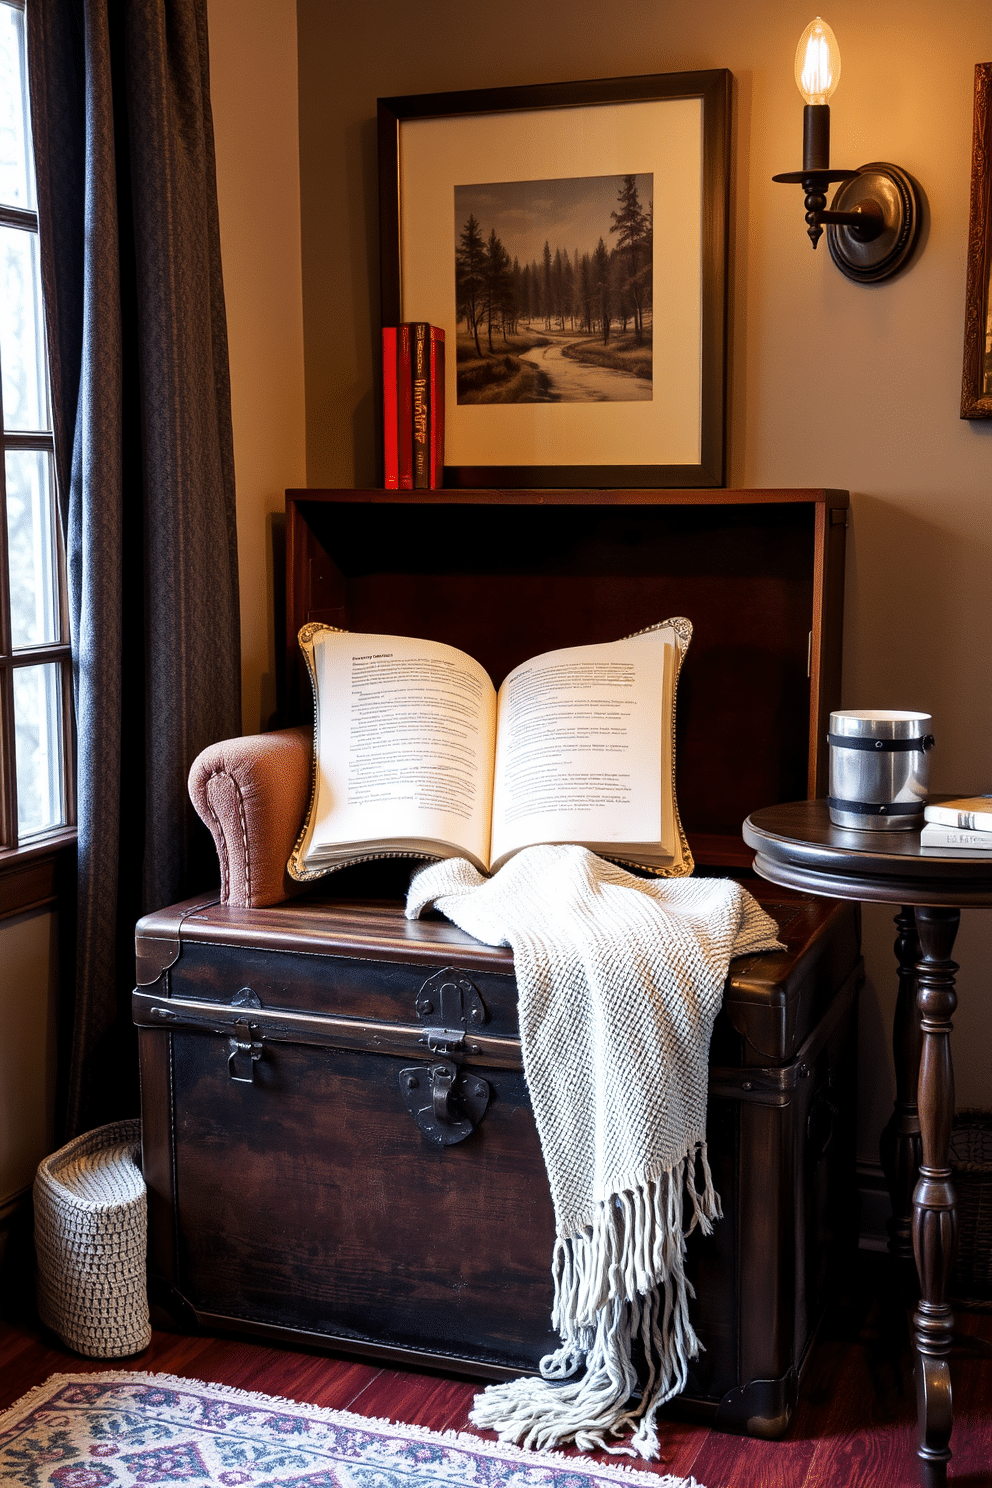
245	1043
446	1103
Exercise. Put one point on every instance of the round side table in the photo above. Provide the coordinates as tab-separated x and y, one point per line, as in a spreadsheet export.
797	846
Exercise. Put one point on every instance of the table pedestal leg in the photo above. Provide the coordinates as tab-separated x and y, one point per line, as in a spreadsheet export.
934	1217
900	1143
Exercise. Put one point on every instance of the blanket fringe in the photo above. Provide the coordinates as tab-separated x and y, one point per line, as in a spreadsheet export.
619	1281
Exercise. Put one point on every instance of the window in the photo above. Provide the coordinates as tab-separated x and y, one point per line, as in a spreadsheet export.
35	668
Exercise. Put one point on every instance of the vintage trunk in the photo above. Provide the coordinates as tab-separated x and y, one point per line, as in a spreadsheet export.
293	1192
288	1054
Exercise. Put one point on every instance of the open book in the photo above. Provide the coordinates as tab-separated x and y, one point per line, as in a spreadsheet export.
417	755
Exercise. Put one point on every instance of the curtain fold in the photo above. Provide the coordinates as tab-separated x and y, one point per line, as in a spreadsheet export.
137	336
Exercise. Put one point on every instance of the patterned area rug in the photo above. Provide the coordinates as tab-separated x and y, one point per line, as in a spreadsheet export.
126	1430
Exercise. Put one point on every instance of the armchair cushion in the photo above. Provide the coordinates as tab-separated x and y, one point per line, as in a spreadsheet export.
252	793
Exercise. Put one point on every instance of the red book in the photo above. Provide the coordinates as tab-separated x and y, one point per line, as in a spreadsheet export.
420	372
404	409
389	426
437	409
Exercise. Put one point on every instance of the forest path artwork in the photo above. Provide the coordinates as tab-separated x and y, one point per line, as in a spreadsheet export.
564	375
554	290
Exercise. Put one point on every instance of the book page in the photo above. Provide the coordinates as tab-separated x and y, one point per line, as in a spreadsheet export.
582	747
405	742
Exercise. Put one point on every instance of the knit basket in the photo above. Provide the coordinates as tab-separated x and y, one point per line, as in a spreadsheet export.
971	1165
91	1229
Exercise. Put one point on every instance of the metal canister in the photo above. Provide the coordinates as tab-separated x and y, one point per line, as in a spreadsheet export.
879	769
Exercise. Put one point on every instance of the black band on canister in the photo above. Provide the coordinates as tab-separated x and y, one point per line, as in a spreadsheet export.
881	746
876	808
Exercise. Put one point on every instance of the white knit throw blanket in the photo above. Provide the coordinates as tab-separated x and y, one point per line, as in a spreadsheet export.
619	980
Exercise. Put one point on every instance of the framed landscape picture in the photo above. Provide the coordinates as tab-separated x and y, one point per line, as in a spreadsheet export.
976	382
571	241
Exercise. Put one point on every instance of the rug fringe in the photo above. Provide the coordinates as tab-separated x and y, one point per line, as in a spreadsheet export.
464	1439
37	1396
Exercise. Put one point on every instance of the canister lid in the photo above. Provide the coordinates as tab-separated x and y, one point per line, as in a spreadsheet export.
880	723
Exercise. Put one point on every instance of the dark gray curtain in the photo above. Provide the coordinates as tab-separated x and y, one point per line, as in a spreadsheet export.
138	344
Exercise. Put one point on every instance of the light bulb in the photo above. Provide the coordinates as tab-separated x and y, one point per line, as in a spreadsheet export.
817	62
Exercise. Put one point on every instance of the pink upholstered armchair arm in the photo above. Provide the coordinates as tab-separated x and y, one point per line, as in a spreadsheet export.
253	794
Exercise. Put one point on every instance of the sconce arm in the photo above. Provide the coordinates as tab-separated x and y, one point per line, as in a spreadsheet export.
815	183
865	219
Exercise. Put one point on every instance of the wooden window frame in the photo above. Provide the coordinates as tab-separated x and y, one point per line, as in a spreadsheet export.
32	872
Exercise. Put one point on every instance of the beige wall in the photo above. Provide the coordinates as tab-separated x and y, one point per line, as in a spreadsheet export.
28	1006
832	383
254	97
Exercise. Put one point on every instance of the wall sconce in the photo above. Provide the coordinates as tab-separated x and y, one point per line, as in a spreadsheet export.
874	220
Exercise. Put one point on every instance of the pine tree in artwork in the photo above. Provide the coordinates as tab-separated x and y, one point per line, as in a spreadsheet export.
547	287
498	287
601	280
632	225
585	293
470	277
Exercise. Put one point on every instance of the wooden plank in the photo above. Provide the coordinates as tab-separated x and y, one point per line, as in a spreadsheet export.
578	496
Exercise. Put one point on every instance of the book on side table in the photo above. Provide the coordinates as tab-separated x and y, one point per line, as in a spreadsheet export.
963	813
416	754
955	839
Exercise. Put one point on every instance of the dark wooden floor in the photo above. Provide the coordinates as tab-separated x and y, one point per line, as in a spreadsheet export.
854	1428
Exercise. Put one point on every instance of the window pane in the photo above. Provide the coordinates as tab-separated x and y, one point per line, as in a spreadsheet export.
31	548
16	174
38	751
22	332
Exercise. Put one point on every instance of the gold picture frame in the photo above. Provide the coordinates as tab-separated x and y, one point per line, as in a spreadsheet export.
976	382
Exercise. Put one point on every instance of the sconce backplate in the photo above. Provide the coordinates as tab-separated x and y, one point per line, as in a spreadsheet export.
899	198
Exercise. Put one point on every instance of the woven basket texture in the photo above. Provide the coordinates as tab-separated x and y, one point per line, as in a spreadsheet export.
971	1165
91	1226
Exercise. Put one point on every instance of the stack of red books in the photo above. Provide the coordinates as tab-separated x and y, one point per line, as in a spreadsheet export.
413	406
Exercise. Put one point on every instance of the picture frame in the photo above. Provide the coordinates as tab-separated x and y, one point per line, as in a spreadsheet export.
669	130
976	381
